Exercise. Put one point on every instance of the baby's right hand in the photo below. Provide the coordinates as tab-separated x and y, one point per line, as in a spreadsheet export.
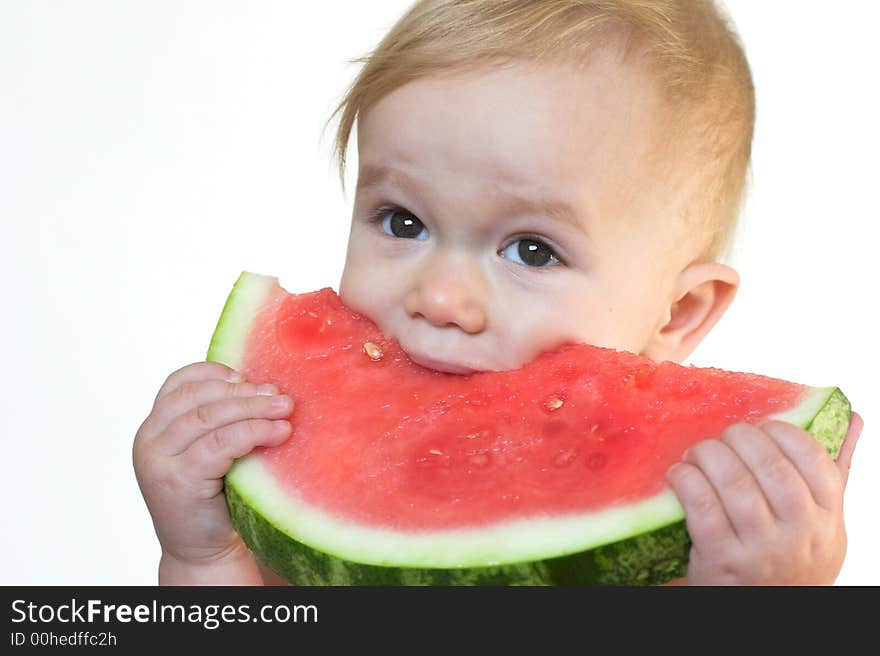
204	417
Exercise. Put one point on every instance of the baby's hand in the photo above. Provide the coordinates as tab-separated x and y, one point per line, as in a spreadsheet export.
203	418
764	505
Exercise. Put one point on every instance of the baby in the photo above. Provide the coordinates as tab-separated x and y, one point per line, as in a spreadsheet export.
533	173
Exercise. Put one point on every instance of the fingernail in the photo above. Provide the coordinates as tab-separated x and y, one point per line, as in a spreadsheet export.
267	389
685	454
282	427
281	402
235	377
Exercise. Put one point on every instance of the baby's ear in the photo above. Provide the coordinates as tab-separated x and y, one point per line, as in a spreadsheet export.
700	296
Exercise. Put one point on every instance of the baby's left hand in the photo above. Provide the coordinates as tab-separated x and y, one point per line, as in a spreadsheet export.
764	506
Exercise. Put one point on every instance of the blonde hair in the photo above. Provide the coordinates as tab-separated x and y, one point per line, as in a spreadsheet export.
688	46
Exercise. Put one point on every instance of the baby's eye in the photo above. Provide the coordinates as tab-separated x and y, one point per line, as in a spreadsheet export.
401	223
531	252
398	222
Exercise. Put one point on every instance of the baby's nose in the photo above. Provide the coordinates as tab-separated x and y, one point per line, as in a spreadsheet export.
447	295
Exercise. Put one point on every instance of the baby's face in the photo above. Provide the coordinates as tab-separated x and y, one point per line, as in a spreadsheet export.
501	213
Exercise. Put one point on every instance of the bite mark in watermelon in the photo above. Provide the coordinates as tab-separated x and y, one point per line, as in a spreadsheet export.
553	473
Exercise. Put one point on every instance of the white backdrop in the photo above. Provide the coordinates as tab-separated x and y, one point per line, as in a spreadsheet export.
150	151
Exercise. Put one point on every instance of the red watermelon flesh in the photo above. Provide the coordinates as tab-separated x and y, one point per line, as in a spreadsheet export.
381	441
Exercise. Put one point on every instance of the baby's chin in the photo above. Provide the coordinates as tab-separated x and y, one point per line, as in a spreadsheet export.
440	365
464	367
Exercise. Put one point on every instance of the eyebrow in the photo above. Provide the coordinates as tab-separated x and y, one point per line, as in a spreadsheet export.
371	176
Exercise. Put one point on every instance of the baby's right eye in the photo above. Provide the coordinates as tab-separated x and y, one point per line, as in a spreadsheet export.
398	222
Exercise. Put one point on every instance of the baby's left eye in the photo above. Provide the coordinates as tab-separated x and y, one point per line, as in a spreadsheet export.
531	252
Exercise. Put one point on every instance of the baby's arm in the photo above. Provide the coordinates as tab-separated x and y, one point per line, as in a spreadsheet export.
764	505
204	417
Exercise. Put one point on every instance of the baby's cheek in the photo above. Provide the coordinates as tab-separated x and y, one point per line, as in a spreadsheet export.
606	326
354	291
524	341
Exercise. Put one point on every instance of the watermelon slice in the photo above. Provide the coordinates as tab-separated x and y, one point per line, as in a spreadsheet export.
553	473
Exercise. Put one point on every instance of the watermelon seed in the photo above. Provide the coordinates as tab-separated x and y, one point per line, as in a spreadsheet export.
479	459
373	351
434	458
312	314
552	403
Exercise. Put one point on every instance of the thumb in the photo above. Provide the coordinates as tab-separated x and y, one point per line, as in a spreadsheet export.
844	458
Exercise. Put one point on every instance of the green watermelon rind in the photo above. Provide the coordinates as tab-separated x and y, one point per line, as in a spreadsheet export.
646	559
829	425
523	540
642	544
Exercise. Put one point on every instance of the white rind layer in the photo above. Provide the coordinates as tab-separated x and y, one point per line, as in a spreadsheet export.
247	296
802	414
533	538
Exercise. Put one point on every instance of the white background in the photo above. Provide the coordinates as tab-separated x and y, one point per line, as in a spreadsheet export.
150	151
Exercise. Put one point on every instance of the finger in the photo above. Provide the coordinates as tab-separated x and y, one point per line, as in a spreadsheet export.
189	396
737	489
810	458
707	523
195	372
844	458
202	419
782	485
212	455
